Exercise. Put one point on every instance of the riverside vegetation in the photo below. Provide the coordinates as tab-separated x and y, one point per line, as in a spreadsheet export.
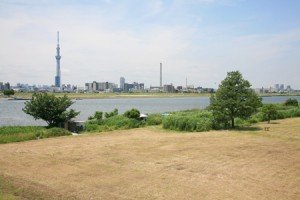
234	104
190	120
187	121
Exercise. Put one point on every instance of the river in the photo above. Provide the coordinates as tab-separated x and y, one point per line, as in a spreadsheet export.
11	113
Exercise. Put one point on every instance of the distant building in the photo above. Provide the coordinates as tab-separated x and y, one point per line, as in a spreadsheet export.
281	87
95	86
6	86
122	83
88	87
156	89
128	87
68	88
169	88
179	88
1	86
100	86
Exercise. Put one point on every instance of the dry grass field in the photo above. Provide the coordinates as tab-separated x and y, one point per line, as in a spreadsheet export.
151	163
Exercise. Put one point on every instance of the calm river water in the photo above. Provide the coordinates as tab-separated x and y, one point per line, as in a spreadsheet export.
11	111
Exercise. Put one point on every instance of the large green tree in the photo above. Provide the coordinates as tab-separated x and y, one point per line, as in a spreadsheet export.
233	99
49	108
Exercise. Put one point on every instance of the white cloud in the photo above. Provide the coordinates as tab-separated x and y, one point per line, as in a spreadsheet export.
105	42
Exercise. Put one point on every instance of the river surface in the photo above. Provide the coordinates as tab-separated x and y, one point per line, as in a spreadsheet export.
11	113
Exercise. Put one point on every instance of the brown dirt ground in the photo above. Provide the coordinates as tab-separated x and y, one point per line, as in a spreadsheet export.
151	163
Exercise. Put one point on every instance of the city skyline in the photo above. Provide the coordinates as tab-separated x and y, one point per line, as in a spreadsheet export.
104	40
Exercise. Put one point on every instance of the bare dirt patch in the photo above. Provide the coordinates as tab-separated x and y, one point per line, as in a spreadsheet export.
150	163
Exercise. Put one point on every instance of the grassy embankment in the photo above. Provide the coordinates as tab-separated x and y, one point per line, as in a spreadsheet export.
188	121
10	134
152	163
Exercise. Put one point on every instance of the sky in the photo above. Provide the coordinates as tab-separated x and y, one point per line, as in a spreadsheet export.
197	40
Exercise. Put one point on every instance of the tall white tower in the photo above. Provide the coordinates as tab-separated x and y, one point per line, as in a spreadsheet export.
58	57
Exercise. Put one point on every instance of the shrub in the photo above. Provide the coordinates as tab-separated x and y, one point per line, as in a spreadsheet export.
113	123
269	112
193	121
9	92
154	119
91	126
291	102
98	115
111	114
122	122
133	113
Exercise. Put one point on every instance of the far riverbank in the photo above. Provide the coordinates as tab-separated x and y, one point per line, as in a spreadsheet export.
79	96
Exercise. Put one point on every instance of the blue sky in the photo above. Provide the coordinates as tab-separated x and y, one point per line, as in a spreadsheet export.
198	39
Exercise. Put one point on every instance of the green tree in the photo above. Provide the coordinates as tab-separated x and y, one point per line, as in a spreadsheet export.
9	92
233	99
49	108
269	112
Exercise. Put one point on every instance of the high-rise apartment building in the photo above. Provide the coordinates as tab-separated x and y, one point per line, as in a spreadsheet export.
122	83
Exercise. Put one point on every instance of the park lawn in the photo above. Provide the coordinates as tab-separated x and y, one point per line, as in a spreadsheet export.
152	163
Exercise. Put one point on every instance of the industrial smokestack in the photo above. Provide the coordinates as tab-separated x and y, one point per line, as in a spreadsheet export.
160	75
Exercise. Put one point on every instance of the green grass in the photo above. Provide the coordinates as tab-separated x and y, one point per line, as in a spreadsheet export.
10	134
189	120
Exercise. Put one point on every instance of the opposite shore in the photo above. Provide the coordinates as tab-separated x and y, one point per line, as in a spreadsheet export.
78	96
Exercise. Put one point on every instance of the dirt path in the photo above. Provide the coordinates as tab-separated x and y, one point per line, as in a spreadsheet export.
154	164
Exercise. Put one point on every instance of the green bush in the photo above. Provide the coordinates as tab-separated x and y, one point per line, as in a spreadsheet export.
9	92
113	123
122	122
98	115
132	114
291	102
195	121
154	119
91	126
111	114
269	111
